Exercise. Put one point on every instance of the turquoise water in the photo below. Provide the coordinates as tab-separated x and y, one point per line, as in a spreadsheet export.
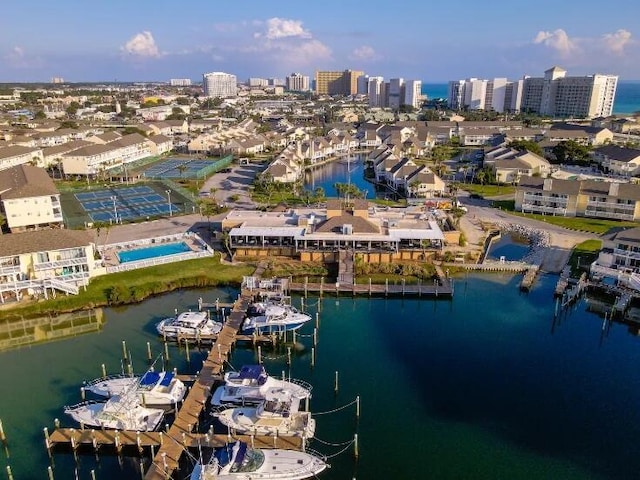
483	386
341	171
627	95
152	252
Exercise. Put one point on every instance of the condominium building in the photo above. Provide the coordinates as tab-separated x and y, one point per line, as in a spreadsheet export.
376	92
498	94
180	82
337	83
396	93
413	93
296	82
220	84
258	82
29	199
558	95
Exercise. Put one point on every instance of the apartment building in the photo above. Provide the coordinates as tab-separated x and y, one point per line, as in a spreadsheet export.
618	160
29	199
296	82
19	155
498	94
573	198
180	82
558	95
58	259
337	83
396	93
377	92
220	84
413	93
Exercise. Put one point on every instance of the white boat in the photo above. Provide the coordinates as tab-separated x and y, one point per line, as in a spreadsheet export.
278	415
239	461
273	317
189	323
252	384
122	412
152	388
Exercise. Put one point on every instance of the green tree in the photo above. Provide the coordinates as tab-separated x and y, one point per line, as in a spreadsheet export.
73	108
40	115
528	145
571	151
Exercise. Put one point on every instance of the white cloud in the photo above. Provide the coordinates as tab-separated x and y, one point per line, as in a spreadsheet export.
557	40
17	57
282	28
616	42
141	45
364	52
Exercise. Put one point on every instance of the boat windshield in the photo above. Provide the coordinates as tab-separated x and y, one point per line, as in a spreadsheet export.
251	461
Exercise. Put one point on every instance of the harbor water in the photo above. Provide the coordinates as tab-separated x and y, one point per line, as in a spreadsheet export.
486	385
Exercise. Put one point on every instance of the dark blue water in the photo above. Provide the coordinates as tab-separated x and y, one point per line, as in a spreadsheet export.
339	171
485	386
508	247
627	95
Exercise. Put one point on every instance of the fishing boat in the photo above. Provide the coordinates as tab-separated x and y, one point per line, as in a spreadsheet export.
188	323
239	461
121	412
152	388
252	384
278	415
273	317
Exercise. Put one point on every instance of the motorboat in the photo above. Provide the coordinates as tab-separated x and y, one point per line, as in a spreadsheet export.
273	317
239	461
121	412
278	415
252	384
188	323
152	388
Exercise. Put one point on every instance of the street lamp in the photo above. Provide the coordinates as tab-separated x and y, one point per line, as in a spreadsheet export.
115	209
169	201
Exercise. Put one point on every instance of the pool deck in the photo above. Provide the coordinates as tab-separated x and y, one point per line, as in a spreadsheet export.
110	256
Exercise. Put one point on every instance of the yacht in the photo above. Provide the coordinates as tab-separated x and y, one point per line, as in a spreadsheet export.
152	388
273	317
188	323
239	461
252	384
121	412
278	415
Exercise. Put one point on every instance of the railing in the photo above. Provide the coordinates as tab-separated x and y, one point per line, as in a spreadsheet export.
60	263
545	198
158	261
9	269
58	283
543	208
151	241
626	253
623	206
604	214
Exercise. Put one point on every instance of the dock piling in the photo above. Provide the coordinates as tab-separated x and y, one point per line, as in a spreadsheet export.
9	474
124	350
358	406
313	356
104	371
47	441
355	445
335	385
149	356
50	473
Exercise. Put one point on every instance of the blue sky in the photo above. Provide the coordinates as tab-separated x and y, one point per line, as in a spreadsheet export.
433	41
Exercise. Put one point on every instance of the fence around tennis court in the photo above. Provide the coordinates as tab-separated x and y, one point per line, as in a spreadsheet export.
187	168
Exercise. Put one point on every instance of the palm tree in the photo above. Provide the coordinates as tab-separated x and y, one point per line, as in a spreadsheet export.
181	168
481	175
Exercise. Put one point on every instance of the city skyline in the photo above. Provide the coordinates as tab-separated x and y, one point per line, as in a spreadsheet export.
143	41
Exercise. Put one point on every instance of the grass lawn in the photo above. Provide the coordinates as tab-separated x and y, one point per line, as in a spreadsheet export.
592	225
583	255
136	285
488	190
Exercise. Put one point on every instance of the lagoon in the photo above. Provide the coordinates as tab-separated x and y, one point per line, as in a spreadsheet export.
486	385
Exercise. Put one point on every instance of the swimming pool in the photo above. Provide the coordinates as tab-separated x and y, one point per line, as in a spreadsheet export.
152	252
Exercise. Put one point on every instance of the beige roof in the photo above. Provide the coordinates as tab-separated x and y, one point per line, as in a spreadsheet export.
25	181
43	240
65	147
360	225
15	151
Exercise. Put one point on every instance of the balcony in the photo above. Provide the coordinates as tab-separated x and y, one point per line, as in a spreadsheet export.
618	252
606	214
545	198
611	205
530	207
9	269
60	264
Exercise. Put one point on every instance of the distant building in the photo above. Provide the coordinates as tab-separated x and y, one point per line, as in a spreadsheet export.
258	82
29	199
557	95
220	84
376	92
413	93
396	93
296	82
499	95
337	83
180	82
57	80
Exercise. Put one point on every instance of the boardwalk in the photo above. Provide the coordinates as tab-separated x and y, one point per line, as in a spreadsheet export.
427	290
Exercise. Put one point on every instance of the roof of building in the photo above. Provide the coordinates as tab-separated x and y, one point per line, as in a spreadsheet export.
25	181
65	147
561	186
16	150
43	240
620	154
359	224
629	235
627	191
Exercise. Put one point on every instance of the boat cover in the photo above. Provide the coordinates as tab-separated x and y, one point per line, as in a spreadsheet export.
168	376
149	378
252	372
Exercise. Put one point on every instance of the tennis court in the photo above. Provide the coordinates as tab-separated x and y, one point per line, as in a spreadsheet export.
179	168
129	203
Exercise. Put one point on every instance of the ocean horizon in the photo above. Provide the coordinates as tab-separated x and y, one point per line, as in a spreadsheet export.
627	99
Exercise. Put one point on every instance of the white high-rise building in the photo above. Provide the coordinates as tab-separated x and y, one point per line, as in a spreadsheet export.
376	91
180	82
413	93
220	84
396	93
560	96
258	82
296	82
499	95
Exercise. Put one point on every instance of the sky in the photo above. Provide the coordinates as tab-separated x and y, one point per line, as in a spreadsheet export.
145	40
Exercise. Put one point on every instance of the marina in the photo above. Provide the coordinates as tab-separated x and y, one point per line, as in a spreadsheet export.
498	358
